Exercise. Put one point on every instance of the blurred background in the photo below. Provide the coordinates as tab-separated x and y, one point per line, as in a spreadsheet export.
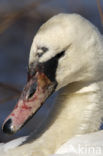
19	21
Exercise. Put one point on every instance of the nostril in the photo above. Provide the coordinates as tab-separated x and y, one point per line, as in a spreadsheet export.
7	127
32	90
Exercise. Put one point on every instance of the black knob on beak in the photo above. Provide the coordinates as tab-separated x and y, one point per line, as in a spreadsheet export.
7	127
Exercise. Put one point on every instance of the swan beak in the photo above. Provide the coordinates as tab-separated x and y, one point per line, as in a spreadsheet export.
36	91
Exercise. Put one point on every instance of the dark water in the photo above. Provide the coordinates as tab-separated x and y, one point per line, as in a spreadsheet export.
15	45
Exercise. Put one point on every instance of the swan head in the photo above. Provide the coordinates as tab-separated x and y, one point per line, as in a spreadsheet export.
67	48
74	42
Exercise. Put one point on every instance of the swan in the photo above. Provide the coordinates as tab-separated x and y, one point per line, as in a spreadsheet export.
66	56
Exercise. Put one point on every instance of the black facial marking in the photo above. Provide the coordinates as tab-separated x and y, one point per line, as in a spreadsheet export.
49	67
44	49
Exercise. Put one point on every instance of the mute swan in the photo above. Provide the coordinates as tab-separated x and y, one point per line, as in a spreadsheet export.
67	53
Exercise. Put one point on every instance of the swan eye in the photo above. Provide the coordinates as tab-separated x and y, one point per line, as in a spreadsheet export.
41	51
44	49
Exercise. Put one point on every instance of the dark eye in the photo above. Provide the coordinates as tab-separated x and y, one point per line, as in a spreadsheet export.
44	49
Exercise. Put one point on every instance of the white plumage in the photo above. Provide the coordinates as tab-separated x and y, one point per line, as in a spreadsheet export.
79	107
83	145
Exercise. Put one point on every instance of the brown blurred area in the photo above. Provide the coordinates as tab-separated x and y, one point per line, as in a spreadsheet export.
19	21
